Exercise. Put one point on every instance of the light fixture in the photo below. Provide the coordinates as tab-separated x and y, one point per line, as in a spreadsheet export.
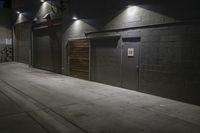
18	12
35	19
74	18
42	0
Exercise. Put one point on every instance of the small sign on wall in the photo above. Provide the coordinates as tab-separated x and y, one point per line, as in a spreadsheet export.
131	52
8	41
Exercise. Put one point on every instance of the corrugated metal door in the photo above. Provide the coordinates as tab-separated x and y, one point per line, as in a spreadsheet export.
47	49
106	60
22	42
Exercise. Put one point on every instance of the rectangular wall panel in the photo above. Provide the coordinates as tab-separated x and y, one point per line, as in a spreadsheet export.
47	49
22	42
79	58
106	61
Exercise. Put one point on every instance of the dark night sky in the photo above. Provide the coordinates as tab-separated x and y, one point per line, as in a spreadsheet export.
5	3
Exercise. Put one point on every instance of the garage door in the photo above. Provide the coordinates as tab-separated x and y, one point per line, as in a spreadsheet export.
47	49
106	60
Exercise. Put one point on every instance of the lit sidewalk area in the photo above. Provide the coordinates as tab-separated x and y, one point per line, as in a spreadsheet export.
37	101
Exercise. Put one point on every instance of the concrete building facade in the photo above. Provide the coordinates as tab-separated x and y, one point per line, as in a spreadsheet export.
143	46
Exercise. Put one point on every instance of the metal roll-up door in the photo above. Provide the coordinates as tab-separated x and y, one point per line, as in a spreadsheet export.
47	49
106	60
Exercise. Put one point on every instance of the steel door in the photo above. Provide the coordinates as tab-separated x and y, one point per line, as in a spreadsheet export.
130	65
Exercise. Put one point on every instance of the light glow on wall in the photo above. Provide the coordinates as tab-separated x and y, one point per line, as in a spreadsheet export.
21	18
77	24
44	8
131	10
74	18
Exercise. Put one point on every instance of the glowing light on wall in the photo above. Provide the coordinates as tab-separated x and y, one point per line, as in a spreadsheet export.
131	10
44	9
74	18
77	24
21	18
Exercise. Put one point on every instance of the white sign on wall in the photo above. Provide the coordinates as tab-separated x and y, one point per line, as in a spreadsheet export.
131	52
7	41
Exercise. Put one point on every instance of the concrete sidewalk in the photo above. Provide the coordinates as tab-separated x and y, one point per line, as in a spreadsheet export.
37	101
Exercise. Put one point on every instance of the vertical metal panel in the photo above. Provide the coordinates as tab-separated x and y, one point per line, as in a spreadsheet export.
106	61
22	42
47	49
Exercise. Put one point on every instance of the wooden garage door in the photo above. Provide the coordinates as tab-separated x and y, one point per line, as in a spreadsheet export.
79	59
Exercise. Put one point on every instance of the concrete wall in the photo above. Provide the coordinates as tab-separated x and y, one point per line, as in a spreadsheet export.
169	57
170	62
46	45
31	10
5	35
106	61
169	37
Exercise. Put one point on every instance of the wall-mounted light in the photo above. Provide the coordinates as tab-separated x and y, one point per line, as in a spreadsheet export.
35	19
75	18
18	12
42	0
